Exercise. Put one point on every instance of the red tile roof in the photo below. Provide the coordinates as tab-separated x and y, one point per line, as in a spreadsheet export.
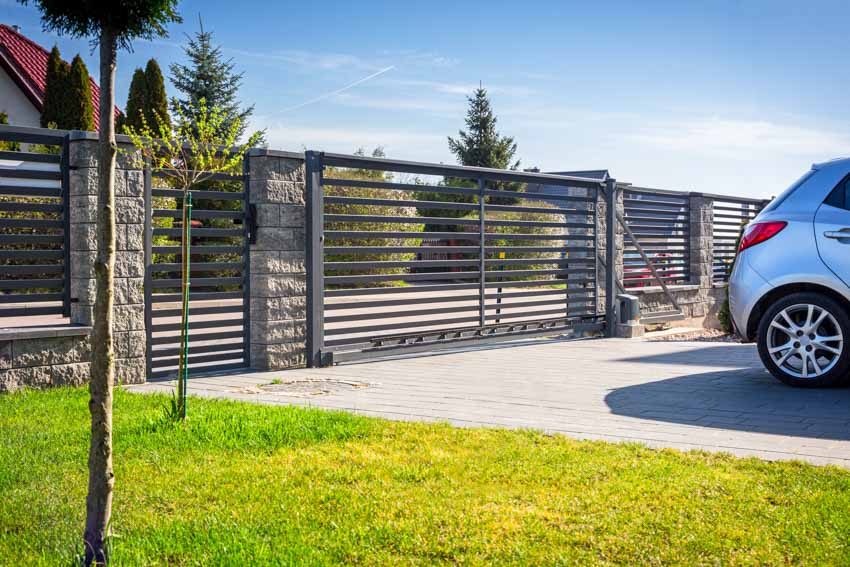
26	63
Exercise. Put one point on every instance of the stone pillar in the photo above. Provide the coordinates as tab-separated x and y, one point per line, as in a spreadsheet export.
278	279
128	315
602	247
701	240
701	249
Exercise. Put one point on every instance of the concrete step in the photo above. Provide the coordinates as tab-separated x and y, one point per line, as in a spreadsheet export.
661	317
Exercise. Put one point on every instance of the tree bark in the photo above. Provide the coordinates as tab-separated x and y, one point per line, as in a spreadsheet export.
101	477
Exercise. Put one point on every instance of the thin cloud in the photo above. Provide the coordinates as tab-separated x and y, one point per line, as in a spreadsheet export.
744	138
338	91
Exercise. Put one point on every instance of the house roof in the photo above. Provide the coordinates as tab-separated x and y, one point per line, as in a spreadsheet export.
542	188
26	63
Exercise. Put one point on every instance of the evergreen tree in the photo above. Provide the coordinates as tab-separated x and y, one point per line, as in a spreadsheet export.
136	100
156	102
8	146
483	146
79	112
55	91
210	77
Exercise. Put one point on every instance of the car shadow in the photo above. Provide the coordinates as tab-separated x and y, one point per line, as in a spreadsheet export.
744	397
727	355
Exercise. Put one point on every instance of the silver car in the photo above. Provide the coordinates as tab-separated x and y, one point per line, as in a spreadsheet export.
790	288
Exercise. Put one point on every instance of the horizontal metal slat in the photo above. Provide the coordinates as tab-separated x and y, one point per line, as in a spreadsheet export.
200	232
30	223
195	282
367	235
29	156
199	370
199	349
194	311
46	269
207	176
197	296
198	214
336	182
199	249
31	284
30	207
31	254
20	173
199	267
29	297
196	325
16	191
30	311
198	359
175	339
211	195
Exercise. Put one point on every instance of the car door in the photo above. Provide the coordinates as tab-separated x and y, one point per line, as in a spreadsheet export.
832	231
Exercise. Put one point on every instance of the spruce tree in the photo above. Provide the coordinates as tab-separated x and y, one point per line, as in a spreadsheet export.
483	146
208	76
156	102
55	91
8	146
79	113
136	98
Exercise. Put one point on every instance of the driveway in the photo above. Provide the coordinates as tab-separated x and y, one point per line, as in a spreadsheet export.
683	395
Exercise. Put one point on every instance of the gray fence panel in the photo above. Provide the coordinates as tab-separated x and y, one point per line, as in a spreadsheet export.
34	222
405	256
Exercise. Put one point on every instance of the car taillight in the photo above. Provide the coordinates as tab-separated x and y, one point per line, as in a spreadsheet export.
759	232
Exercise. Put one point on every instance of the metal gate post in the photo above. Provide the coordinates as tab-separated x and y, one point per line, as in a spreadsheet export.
148	245
611	257
315	258
482	267
65	170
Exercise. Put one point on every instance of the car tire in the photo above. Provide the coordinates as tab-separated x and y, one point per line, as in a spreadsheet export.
804	340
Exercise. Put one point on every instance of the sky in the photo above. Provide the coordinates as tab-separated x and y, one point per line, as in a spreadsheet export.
731	97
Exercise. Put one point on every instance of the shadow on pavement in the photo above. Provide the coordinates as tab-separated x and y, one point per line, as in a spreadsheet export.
731	355
744	399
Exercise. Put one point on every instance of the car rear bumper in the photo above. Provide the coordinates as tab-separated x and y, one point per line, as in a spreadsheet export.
746	287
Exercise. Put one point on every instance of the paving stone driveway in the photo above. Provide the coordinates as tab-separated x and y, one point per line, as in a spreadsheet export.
685	395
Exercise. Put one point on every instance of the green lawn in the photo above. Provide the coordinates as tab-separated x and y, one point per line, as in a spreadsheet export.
251	485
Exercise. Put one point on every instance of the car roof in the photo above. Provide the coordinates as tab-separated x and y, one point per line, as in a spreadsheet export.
840	162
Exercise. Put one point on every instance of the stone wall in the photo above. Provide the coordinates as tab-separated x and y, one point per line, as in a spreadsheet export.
278	280
43	357
129	312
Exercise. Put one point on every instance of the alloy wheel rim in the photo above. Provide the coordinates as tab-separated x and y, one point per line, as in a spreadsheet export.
805	341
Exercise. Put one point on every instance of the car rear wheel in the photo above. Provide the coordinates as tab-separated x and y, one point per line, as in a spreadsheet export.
803	340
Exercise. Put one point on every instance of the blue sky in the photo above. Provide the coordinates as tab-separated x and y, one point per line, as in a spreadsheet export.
725	97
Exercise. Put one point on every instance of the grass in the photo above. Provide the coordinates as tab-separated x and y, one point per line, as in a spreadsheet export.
243	484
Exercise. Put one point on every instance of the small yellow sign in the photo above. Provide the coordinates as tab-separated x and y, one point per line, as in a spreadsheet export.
501	255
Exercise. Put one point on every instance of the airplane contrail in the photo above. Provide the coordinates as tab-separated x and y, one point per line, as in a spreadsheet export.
338	91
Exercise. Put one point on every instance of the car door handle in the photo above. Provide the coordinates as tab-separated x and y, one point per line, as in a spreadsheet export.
838	234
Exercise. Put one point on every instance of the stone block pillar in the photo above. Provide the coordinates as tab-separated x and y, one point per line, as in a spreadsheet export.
602	247
702	249
701	240
128	315
278	279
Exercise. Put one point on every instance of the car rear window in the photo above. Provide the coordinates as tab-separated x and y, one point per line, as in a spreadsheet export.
788	192
840	196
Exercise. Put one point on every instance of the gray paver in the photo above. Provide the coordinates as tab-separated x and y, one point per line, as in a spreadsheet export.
682	395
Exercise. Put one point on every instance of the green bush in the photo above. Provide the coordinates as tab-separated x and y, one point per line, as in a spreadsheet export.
383	210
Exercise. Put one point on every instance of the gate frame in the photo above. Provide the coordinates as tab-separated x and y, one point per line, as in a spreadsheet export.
318	356
248	234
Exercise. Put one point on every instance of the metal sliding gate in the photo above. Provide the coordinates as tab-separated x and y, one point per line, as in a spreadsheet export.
407	256
219	308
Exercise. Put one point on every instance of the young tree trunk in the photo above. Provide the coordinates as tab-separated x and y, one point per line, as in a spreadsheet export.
101	477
